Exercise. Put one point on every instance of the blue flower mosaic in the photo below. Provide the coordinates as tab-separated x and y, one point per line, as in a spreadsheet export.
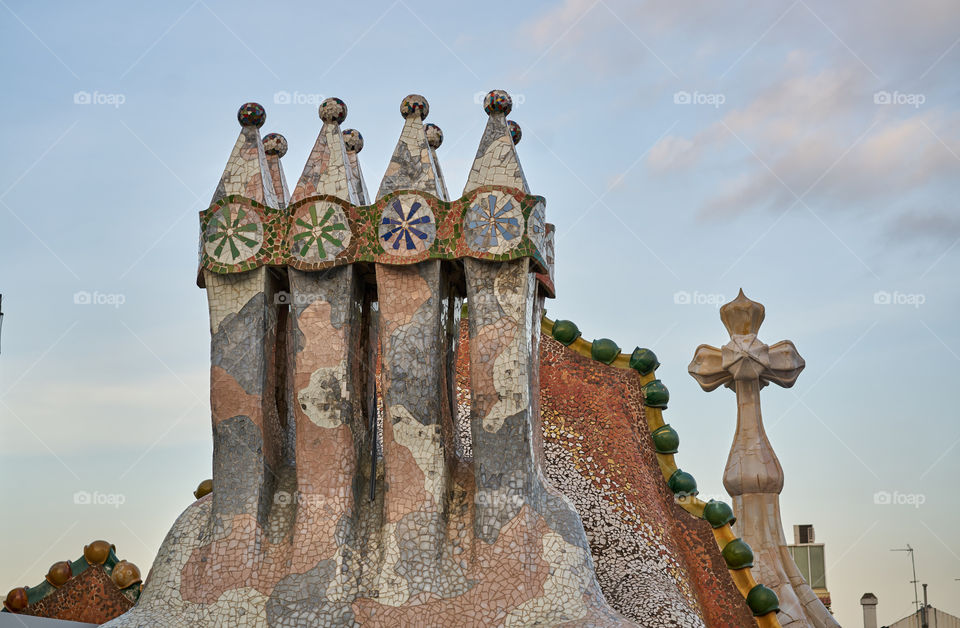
407	226
494	224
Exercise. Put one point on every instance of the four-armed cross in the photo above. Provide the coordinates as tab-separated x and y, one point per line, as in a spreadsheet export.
745	364
753	476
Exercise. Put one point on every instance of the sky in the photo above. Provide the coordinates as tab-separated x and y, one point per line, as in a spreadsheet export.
807	152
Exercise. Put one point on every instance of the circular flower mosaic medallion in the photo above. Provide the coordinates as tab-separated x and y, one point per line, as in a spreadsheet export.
407	226
494	223
319	232
537	226
233	235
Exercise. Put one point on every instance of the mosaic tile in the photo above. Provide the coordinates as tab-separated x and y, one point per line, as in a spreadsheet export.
377	462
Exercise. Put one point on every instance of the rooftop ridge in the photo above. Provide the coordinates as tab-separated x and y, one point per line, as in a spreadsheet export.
737	554
125	575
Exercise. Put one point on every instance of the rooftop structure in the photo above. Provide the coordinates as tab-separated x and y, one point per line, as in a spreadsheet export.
384	455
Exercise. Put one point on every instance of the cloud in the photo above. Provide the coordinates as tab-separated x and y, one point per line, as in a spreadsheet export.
821	136
674	153
799	83
927	224
893	39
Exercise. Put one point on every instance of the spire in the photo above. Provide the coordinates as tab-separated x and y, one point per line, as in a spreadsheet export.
434	140
247	173
515	131
353	142
275	147
496	162
327	170
412	166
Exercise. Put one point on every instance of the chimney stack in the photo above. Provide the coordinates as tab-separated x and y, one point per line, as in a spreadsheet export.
869	604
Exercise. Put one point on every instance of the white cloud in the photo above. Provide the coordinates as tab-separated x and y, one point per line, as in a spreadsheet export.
819	131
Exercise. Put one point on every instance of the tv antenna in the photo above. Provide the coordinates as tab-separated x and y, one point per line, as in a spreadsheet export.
913	563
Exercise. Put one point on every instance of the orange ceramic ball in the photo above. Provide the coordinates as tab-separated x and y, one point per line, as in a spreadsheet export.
97	552
125	574
16	599
59	573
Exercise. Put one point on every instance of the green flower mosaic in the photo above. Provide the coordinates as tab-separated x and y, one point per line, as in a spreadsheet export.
233	235
320	232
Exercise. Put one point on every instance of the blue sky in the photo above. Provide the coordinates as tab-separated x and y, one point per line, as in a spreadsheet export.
807	152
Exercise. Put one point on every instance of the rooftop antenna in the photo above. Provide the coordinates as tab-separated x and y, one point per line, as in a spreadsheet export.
913	563
1	312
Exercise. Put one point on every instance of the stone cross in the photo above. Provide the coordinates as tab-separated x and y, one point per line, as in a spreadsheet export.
745	365
753	475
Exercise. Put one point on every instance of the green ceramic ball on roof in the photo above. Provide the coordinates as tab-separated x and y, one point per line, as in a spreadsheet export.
682	483
738	554
762	600
565	332
604	350
643	361
665	440
655	394
718	514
